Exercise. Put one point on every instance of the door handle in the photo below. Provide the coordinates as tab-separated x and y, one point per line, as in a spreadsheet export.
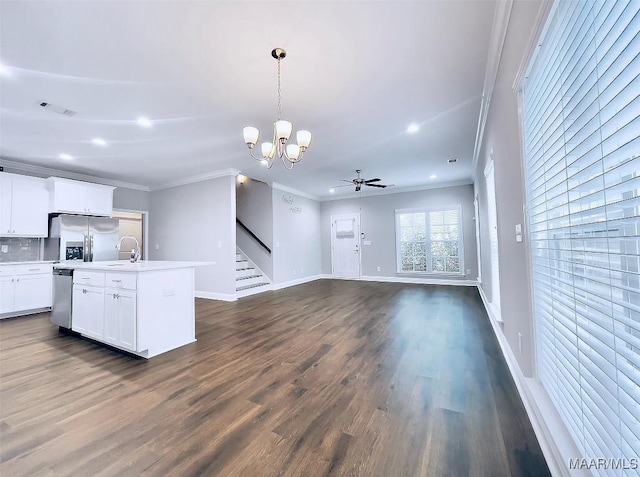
91	249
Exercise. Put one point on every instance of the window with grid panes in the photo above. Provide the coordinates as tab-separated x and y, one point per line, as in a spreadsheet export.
429	240
581	121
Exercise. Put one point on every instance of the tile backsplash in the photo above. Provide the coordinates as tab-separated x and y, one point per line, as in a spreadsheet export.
17	249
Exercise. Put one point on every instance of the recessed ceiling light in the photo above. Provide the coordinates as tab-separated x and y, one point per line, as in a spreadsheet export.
65	157
144	122
433	176
98	141
413	127
332	191
264	162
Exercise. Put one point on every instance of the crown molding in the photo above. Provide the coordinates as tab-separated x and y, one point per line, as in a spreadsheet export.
197	178
496	45
48	171
291	190
398	190
533	43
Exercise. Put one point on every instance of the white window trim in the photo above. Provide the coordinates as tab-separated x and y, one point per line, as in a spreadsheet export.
426	210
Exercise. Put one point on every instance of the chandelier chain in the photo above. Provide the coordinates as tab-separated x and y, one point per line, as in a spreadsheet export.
279	94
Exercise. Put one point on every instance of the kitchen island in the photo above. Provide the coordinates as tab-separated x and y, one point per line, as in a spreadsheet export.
145	308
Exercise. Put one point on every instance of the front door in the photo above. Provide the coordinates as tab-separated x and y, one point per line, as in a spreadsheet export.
345	246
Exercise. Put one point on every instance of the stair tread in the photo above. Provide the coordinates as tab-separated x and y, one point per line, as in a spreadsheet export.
248	276
251	286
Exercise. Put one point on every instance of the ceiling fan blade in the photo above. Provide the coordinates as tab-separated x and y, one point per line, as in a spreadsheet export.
371	180
341	185
350	182
382	186
358	187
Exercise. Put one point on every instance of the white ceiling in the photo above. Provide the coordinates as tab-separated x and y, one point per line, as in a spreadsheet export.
356	75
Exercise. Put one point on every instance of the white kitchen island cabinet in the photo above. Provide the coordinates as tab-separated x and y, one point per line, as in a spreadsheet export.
145	308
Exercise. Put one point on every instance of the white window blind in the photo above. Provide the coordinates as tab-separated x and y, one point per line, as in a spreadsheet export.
581	113
429	241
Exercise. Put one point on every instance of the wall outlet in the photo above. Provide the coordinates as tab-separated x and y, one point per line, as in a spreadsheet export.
468	271
294	271
219	243
5	248
378	269
157	246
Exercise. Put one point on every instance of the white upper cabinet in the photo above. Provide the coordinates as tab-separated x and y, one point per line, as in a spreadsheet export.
78	197
24	206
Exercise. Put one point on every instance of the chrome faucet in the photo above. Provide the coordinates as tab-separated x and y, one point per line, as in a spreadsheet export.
137	249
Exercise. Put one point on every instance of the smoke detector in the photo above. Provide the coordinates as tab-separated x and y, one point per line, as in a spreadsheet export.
57	109
452	161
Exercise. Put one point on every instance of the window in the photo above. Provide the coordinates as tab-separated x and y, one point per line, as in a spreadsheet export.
429	240
581	118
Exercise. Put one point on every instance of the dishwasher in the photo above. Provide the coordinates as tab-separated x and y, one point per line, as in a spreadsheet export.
62	293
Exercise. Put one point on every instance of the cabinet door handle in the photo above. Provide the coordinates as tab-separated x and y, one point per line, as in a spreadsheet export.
84	290
84	278
116	281
34	269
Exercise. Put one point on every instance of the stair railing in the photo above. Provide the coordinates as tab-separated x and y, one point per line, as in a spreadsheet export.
253	236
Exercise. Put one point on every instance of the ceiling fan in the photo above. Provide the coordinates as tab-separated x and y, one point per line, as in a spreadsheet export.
359	182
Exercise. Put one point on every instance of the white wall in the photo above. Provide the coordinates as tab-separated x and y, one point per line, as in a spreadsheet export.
197	222
254	208
377	221
131	199
296	237
502	136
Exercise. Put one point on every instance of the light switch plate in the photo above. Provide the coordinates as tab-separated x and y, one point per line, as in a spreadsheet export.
518	238
518	228
366	242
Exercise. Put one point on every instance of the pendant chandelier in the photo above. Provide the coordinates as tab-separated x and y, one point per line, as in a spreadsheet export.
289	153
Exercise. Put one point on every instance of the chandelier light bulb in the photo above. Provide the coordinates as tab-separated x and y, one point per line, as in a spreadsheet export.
304	138
293	152
283	129
251	135
268	150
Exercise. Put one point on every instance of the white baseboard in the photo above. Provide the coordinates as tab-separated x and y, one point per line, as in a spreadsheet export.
420	280
298	281
215	296
555	441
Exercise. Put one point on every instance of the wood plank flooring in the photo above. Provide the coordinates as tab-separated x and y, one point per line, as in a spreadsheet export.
327	378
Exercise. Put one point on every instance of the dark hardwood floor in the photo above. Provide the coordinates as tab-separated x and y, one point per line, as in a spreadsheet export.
327	378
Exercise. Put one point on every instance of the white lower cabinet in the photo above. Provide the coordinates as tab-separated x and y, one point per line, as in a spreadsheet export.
7	287
25	288
107	314
87	311
120	318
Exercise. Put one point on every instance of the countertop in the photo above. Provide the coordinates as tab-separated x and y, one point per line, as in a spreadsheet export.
125	266
26	263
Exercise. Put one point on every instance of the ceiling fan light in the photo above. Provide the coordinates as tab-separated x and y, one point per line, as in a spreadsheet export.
293	151
304	138
283	129
251	135
268	150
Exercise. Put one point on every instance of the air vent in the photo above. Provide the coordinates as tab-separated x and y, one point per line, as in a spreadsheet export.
57	109
452	161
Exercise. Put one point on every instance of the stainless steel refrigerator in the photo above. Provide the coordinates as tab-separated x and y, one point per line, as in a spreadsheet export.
78	237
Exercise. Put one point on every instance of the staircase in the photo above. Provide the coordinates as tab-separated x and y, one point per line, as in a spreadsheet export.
249	278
